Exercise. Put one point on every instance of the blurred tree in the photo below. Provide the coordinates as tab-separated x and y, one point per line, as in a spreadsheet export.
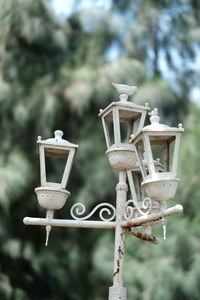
55	73
165	36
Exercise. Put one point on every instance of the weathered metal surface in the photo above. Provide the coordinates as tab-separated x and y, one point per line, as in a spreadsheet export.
117	293
122	156
162	188
142	235
153	217
51	198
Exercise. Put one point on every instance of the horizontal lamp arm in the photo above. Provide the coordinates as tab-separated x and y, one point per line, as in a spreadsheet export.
143	220
69	223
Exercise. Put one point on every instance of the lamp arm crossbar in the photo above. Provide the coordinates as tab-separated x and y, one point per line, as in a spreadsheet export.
153	217
69	223
103	224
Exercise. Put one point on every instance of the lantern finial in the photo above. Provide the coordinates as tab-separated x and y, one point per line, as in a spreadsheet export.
58	134
48	229
154	116
49	216
180	126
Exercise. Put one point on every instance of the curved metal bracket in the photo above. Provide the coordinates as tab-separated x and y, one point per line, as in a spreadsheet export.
131	206
78	209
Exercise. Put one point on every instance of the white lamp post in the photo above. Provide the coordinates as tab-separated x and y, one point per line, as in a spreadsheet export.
156	181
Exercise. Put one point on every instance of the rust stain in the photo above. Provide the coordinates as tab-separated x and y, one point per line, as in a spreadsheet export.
143	236
132	223
116	272
120	252
118	263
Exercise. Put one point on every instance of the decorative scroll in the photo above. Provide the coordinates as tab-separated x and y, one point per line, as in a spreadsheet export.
78	209
131	206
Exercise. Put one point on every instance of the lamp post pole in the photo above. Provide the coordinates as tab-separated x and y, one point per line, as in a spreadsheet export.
118	291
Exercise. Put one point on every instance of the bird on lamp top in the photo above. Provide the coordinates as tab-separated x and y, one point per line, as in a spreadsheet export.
125	89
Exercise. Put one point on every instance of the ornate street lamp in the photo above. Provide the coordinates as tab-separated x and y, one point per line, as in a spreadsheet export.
134	151
157	149
52	195
120	120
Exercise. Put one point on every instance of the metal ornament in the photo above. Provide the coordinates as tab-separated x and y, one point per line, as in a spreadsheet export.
78	209
144	158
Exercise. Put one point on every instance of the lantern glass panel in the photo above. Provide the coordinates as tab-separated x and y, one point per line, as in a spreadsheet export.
57	160
120	123
142	158
109	131
171	154
55	167
137	179
158	156
126	114
136	126
125	129
132	119
162	148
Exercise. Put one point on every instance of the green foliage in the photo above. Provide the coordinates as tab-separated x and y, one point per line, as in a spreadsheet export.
15	175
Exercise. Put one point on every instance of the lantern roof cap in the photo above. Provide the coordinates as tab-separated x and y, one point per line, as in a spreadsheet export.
124	92
125	105
156	126
56	141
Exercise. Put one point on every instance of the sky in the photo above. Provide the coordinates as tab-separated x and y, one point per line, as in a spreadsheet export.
65	7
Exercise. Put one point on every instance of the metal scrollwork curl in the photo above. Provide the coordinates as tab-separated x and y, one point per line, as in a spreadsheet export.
131	206
78	210
129	210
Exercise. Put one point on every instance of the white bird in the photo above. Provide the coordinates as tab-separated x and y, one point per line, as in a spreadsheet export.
125	89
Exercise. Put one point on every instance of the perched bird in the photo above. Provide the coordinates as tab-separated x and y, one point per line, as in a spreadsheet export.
125	89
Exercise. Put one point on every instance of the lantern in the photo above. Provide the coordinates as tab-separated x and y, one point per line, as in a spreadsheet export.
121	120
157	149
53	195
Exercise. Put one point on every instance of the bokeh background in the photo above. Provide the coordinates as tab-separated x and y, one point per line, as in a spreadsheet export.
57	61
